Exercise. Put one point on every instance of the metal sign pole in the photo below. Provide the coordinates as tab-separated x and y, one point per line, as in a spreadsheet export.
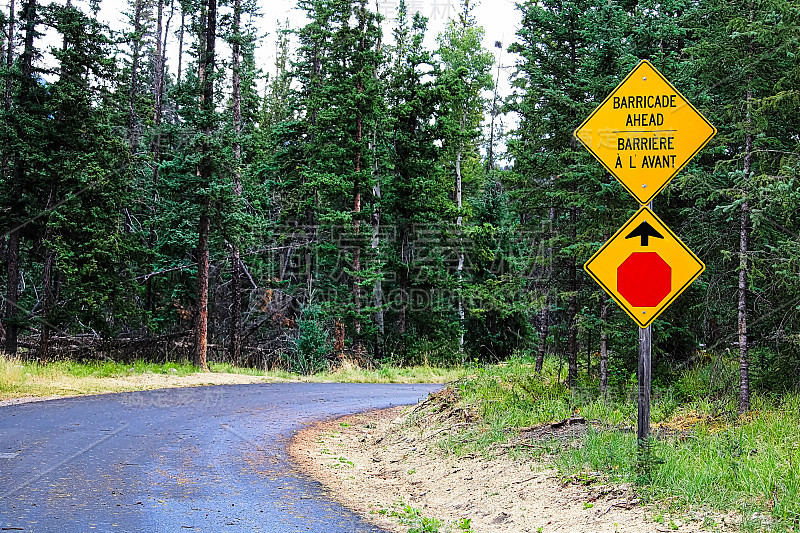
645	358
645	346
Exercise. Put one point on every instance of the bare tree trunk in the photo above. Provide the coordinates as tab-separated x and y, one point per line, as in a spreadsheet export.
236	270
357	343
377	288
9	53
158	111
12	251
459	223
744	237
206	79
572	308
13	273
50	253
180	46
47	299
544	330
494	112
133	137
603	344
544	326
405	258
201	316
12	292
604	337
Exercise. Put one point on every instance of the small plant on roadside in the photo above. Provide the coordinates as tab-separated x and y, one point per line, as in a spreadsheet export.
465	524
345	462
409	516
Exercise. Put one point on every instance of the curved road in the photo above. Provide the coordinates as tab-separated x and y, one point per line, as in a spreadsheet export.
173	460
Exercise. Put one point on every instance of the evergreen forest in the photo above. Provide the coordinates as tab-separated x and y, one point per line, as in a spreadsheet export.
358	200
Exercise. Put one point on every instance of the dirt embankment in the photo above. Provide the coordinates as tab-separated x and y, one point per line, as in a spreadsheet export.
378	463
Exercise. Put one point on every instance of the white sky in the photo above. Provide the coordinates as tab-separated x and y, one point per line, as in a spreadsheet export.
499	18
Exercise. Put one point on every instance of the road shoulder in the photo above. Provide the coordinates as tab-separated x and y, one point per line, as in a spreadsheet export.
389	471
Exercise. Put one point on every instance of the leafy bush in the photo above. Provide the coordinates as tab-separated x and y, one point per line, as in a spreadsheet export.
310	349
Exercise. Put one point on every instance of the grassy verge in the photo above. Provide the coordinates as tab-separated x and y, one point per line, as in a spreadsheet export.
703	458
70	378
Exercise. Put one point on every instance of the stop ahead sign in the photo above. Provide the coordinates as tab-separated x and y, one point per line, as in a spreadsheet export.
644	279
644	266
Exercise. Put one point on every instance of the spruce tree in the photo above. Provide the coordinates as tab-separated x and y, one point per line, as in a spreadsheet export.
466	73
415	198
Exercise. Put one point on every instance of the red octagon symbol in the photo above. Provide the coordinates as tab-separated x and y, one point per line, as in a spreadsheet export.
644	279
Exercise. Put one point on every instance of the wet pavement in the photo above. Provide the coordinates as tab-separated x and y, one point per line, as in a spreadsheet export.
175	460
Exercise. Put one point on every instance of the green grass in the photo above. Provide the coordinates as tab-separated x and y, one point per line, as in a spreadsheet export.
418	523
709	459
391	374
69	378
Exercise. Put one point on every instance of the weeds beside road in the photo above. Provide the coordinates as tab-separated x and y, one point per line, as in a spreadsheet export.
69	378
702	456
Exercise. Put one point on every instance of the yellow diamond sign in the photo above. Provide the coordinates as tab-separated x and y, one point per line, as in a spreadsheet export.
645	132
644	267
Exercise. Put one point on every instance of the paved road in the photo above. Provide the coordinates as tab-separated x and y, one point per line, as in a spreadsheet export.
202	459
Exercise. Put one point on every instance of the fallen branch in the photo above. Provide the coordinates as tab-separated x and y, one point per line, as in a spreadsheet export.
448	428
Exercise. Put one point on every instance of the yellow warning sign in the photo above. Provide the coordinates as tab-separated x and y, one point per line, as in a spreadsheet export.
645	132
644	267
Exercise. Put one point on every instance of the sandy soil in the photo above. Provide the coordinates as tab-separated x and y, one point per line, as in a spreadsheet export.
137	382
372	461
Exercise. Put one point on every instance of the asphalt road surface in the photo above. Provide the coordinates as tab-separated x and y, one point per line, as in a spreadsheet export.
176	460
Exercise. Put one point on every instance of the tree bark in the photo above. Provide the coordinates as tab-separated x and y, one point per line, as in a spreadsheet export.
12	292
572	308
12	250
544	330
405	258
377	289
603	344
236	270
158	111
133	138
180	46
359	136
201	316
9	53
459	223
206	79
744	237
547	274
604	337
47	299
13	273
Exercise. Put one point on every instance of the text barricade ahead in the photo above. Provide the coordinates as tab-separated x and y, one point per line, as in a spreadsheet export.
644	267
645	132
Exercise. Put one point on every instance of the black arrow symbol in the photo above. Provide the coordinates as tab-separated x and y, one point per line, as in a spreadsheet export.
645	231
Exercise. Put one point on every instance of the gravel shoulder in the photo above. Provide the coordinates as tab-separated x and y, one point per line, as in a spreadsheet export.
373	461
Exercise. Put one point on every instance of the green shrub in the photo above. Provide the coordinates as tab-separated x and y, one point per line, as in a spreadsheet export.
309	353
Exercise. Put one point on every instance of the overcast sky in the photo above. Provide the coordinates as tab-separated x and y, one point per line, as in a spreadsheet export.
499	18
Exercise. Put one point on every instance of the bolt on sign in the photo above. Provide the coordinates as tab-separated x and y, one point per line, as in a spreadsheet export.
644	266
645	132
